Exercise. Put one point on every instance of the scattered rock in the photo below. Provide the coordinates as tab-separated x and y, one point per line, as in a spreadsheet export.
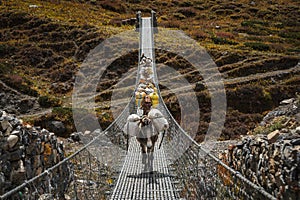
272	137
33	6
46	197
12	140
289	107
287	101
57	127
298	130
75	137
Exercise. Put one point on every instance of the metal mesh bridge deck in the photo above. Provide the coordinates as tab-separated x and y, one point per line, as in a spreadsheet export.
135	183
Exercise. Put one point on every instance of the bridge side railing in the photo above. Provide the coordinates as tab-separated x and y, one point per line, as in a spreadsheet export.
81	175
200	174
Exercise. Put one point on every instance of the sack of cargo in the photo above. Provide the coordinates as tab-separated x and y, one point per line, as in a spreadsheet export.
131	127
159	121
149	90
139	97
139	112
146	73
154	99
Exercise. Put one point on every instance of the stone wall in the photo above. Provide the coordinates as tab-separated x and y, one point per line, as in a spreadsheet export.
269	155
27	151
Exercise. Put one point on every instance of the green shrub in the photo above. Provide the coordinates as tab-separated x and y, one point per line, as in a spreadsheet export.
224	12
240	16
278	25
44	101
6	50
187	12
5	68
179	16
185	3
290	34
62	111
48	102
219	40
253	23
19	83
276	124
65	115
257	27
257	46
297	50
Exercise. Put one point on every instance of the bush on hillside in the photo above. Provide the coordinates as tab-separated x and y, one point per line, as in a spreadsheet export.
6	50
219	40
19	83
5	68
257	46
47	102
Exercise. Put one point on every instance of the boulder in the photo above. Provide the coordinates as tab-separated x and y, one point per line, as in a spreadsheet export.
6	127
57	127
298	130
12	140
287	101
75	137
272	137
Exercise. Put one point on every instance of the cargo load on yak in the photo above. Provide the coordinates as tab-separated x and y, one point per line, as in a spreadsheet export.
159	122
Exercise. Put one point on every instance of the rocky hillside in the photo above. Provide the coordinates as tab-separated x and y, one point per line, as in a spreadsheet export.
255	45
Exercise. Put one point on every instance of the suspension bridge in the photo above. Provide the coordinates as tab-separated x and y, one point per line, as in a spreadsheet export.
195	174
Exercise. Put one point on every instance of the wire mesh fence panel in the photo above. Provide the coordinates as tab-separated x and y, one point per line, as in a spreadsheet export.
90	178
201	175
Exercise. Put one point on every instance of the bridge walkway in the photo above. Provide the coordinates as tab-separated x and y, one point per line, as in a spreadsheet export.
135	183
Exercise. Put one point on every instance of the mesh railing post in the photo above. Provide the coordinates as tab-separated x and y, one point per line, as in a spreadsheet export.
48	182
74	182
198	157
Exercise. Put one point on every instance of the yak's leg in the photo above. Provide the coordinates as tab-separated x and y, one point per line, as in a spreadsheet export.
150	161
144	153
150	148
144	158
143	145
151	152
